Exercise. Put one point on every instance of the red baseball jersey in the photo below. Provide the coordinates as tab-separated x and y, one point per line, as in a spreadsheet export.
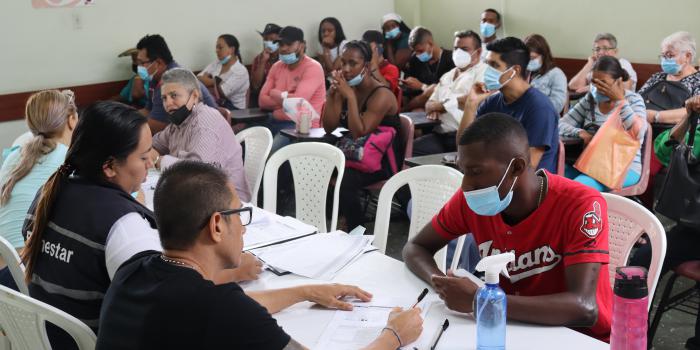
569	227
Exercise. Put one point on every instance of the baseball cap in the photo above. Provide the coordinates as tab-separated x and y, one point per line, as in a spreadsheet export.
270	28
291	34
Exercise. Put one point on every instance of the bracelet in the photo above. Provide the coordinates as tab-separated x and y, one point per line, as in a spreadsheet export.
395	334
656	116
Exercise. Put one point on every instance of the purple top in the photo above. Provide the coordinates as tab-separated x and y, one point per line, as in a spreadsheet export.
204	136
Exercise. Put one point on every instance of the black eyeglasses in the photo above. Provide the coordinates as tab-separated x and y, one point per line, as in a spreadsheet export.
246	214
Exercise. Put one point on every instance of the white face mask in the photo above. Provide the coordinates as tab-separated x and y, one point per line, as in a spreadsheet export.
462	58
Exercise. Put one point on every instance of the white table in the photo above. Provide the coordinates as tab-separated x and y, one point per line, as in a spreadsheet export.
379	274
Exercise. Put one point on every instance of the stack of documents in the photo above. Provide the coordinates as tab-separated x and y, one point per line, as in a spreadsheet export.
268	228
319	256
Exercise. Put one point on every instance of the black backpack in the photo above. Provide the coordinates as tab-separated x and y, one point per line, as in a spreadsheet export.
666	95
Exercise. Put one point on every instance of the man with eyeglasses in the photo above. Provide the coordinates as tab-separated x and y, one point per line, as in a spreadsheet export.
604	44
170	300
153	59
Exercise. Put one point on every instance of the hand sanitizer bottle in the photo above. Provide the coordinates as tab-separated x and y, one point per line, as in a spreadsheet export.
491	301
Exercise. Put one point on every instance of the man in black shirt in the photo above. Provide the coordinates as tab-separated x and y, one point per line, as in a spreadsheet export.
168	300
423	71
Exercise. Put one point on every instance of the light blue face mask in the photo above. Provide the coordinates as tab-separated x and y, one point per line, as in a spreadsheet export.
534	65
289	58
670	66
425	56
597	96
271	45
357	79
143	73
393	34
487	201
487	29
225	60
492	78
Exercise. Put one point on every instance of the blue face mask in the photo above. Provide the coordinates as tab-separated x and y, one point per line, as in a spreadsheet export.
534	65
492	78
670	66
425	56
143	73
393	34
597	96
487	29
357	79
271	45
487	201
289	58
225	60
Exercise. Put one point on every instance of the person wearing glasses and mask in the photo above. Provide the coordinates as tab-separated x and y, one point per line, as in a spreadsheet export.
153	59
506	73
604	44
447	101
197	131
201	225
489	24
678	52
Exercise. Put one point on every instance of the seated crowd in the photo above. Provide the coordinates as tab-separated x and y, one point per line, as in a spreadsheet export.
71	201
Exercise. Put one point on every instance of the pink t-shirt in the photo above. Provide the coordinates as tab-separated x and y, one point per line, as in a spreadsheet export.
306	80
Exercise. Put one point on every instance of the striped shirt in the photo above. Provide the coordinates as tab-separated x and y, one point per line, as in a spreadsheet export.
204	136
633	109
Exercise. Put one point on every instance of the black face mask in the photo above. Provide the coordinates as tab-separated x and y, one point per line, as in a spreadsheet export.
179	115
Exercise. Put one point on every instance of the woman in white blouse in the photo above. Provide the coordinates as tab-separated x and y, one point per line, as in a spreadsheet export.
227	77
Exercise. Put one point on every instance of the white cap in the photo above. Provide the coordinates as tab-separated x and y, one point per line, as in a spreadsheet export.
495	264
391	17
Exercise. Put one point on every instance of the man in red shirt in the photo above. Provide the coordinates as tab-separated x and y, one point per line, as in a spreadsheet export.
556	228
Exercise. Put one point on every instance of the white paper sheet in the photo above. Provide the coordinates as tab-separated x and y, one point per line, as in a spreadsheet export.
321	256
351	330
270	228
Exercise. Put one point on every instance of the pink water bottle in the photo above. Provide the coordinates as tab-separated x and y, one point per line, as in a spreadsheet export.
629	320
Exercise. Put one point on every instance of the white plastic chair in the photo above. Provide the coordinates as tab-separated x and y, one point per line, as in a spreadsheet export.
258	142
431	187
627	221
14	263
312	166
23	320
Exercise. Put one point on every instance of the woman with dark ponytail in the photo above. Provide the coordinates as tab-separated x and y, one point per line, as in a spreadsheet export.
606	94
51	116
227	77
84	223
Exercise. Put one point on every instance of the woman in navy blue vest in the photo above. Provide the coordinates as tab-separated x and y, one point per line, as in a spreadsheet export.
84	223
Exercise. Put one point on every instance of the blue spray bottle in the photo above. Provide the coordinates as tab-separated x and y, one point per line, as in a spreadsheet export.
491	304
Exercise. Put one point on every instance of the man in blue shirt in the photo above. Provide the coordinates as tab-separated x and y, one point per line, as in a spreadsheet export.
153	59
505	89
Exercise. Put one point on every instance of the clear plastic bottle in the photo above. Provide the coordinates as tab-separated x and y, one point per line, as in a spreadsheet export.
491	304
630	303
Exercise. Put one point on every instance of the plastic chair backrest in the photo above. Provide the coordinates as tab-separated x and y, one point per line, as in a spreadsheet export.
431	187
23	318
627	221
407	132
312	166
641	186
561	159
14	263
258	142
